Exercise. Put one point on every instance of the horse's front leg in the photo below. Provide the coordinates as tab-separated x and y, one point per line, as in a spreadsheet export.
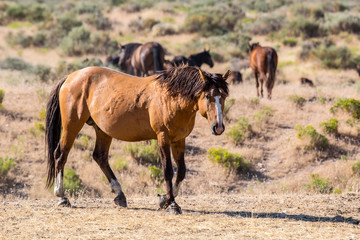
164	150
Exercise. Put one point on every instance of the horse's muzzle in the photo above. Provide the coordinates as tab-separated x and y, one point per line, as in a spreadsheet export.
217	130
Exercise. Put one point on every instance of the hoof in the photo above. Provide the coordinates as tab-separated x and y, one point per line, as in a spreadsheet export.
174	209
162	201
64	202
120	200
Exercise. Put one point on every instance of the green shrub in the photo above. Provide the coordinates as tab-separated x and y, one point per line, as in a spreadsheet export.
315	140
42	72
266	24
42	114
120	164
335	57
349	105
156	174
72	182
143	153
230	161
263	116
356	168
342	22
330	127
305	28
77	42
2	95
163	29
240	131
6	165
254	101
63	68
16	11
297	100
15	64
319	185
100	22
289	42
82	142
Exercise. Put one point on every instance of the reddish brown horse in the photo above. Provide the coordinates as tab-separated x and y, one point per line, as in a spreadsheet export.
128	108
148	57
263	60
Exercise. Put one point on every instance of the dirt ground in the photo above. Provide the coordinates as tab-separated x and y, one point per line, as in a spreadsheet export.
231	216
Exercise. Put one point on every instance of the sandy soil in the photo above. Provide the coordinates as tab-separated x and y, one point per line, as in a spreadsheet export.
204	217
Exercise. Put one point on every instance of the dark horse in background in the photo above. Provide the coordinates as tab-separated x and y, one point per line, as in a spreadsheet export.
129	108
148	57
263	60
196	59
138	59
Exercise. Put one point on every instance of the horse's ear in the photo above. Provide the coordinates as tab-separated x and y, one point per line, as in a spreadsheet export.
202	75
226	75
249	46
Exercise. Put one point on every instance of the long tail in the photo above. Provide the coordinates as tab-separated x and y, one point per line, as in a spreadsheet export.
52	130
270	55
158	60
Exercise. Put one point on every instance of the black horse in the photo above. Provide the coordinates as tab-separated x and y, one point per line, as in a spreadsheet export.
196	59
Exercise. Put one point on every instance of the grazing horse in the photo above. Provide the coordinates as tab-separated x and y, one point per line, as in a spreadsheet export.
263	60
129	108
125	55
196	59
147	57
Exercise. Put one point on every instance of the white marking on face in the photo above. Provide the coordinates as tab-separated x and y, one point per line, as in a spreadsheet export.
212	92
220	91
219	112
115	185
59	187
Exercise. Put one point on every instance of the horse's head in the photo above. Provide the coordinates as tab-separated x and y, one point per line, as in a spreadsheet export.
211	101
207	58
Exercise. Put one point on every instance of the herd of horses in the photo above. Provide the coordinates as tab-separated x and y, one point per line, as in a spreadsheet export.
137	106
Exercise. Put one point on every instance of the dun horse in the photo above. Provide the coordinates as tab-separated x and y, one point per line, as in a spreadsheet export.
148	57
195	59
128	108
263	60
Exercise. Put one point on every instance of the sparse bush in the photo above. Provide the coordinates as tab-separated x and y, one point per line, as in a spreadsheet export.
2	95
254	101
263	116
349	105
120	164
42	72
228	104
37	129
240	131
335	57
289	42
305	28
319	185
162	29
77	42
313	139
156	174
42	114
15	64
297	100
230	161
267	24
72	182
342	22
82	142
143	153
330	127
356	168
63	68
6	165
98	20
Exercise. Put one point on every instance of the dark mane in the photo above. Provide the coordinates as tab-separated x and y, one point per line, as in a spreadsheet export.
253	46
185	81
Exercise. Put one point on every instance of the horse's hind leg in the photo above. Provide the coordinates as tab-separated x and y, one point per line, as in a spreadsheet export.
61	154
256	75
262	80
269	86
100	155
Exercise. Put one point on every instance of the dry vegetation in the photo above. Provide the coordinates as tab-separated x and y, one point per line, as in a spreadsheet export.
278	198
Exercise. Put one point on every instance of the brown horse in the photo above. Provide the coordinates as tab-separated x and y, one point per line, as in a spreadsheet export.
128	108
148	57
263	60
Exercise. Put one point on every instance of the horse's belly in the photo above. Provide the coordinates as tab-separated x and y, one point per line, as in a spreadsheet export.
128	127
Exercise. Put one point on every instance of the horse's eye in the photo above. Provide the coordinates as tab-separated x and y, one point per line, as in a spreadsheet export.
207	96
